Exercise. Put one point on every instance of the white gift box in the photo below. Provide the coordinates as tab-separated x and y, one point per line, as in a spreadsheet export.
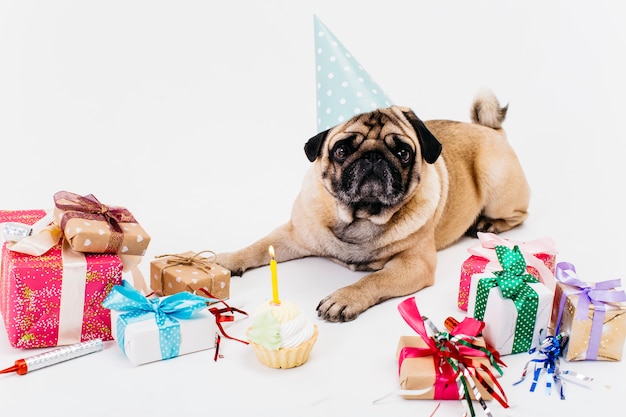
141	338
501	315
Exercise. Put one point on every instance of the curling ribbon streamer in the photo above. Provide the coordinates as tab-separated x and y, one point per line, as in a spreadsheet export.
165	311
451	353
512	281
88	207
220	317
549	351
488	241
596	294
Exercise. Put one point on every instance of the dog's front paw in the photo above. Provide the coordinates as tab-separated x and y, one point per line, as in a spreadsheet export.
341	306
231	262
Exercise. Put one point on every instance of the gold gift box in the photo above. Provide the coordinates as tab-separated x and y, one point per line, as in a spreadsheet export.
419	373
579	331
190	272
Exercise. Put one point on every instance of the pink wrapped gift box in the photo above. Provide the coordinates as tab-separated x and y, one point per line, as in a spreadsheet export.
35	310
539	254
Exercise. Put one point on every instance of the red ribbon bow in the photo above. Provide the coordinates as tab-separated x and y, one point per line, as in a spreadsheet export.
88	207
452	354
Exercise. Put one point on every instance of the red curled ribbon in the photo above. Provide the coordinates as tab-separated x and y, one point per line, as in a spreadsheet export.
220	317
452	358
88	207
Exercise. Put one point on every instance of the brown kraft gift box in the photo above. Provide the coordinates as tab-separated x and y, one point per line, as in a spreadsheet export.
92	227
419	373
190	272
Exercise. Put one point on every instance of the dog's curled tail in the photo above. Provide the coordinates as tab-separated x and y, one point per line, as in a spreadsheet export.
486	110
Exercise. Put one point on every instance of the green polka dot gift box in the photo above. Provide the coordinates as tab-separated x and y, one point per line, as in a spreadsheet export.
514	305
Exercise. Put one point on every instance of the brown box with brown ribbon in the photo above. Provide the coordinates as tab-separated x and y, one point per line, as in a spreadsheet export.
191	272
90	226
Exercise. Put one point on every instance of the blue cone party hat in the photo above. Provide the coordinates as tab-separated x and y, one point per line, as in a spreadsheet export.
344	88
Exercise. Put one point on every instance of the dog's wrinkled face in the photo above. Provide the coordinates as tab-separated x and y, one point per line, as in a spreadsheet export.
373	161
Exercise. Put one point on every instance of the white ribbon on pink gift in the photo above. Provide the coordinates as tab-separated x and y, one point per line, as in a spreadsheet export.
488	242
72	305
45	234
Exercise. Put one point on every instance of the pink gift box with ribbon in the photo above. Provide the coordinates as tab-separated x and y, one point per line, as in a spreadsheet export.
539	254
54	298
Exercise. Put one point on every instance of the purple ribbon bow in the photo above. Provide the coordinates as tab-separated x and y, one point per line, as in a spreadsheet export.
596	294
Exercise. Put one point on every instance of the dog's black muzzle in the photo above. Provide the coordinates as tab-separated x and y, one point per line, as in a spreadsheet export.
370	179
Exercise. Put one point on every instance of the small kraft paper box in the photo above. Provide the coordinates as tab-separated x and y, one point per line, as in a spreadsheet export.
419	374
539	255
90	226
190	272
55	298
428	364
180	324
591	315
501	316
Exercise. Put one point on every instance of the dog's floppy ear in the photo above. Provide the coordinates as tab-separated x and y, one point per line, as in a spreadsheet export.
431	147
313	147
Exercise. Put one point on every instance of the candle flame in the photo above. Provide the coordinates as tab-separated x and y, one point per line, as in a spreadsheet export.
271	251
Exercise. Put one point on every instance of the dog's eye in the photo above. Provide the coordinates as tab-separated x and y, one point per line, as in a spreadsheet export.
341	151
404	155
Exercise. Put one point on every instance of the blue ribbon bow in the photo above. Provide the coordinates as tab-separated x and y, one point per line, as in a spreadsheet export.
166	311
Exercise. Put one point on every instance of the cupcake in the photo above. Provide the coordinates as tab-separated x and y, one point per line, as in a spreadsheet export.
281	336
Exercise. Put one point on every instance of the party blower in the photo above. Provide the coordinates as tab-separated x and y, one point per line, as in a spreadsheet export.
42	360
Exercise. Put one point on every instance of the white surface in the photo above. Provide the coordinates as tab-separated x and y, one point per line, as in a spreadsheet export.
193	114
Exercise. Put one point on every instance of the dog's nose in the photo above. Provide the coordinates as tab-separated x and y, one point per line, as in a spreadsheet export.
373	156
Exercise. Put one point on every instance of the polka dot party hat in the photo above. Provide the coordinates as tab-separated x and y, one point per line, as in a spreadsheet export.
344	88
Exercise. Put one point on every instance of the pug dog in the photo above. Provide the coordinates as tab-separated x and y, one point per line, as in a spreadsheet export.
386	191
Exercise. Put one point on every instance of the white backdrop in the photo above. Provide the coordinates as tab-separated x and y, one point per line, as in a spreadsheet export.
193	114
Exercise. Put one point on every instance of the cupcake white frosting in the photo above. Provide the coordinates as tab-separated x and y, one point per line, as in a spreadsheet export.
280	326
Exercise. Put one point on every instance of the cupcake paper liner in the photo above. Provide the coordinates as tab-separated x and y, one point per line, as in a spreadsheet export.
285	358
